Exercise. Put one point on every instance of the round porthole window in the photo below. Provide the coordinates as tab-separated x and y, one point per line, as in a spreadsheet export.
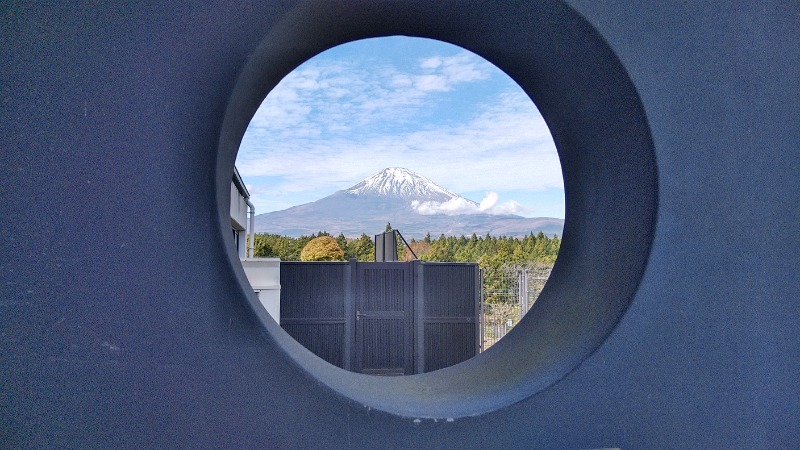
610	182
351	142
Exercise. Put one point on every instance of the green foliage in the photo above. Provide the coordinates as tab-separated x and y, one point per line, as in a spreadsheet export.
493	254
323	248
262	247
283	247
363	248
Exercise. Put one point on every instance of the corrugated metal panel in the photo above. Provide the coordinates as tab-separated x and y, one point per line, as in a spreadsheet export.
449	290
325	340
313	307
320	303
312	290
450	314
383	345
447	344
383	288
383	330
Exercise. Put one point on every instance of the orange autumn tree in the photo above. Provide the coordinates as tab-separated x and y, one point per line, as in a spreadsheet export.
323	248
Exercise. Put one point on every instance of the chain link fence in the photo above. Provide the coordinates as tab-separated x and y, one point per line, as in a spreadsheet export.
508	294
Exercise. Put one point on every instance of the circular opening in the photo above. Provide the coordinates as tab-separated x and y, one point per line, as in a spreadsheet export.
604	144
397	113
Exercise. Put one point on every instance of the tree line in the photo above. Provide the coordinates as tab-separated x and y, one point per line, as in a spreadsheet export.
497	256
490	252
289	248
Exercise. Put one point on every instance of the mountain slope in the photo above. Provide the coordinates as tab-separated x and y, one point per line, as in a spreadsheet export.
387	196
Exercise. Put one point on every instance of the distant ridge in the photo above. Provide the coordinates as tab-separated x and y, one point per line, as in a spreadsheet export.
387	196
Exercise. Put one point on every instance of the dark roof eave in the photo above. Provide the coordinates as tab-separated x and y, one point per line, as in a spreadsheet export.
237	180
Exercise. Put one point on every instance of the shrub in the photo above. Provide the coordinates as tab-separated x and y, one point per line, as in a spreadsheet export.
323	248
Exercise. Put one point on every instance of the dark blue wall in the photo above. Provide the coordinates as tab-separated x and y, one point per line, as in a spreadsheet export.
125	324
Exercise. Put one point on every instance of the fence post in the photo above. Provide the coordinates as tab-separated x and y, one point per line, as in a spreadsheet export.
522	292
349	315
478	310
418	270
481	313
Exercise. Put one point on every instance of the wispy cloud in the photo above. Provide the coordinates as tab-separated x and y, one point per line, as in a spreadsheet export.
331	123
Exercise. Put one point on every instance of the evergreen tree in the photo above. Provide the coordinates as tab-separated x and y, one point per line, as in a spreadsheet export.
262	248
342	241
364	248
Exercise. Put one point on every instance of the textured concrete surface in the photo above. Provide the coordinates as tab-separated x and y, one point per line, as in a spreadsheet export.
676	125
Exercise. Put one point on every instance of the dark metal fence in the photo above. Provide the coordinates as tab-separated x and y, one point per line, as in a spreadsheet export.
389	318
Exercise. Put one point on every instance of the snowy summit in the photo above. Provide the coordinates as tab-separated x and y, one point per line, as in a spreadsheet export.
403	184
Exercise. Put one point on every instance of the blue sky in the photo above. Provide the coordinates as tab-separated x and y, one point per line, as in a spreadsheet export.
433	108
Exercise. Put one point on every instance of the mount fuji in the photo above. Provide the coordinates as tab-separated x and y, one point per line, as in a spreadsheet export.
412	203
402	184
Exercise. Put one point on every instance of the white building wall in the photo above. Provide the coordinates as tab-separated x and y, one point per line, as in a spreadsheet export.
264	275
238	209
239	220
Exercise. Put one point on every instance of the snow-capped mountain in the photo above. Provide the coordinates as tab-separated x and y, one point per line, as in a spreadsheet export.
403	184
394	195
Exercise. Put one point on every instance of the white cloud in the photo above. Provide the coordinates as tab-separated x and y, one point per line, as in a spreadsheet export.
459	205
363	95
463	67
401	81
507	146
430	83
488	201
431	63
509	207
